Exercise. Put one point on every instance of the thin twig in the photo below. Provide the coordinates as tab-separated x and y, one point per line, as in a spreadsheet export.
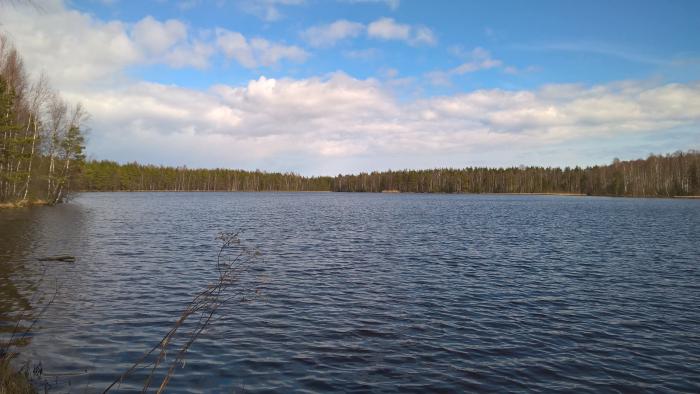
231	268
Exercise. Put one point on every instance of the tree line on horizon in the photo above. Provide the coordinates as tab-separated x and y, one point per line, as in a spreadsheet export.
676	174
41	136
105	175
668	175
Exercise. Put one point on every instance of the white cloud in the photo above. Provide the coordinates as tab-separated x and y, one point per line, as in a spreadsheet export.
234	45
383	29
480	60
389	29
423	35
81	48
392	4
76	47
157	37
268	10
257	51
340	119
169	43
477	59
195	54
328	35
100	50
270	53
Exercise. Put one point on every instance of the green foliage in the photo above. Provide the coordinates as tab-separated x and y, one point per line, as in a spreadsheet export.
13	142
111	176
655	176
35	163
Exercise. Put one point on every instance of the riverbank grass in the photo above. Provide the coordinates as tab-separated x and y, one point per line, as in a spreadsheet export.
13	381
22	204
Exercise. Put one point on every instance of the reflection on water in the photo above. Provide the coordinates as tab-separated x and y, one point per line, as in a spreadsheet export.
27	285
407	293
15	293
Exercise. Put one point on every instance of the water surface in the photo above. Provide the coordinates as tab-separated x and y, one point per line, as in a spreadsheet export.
368	292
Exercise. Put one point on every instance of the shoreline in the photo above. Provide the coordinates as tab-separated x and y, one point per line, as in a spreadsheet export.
203	191
380	192
13	380
23	204
546	194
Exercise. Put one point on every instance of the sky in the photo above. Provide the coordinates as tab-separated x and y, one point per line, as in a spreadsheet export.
321	87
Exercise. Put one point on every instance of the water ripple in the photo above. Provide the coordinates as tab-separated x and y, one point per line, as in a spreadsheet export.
382	293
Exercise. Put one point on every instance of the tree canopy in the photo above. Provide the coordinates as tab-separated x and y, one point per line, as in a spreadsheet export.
41	136
676	174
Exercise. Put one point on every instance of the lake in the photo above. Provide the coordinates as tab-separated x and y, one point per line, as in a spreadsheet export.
366	292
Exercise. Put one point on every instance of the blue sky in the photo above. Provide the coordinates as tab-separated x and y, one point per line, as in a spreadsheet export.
563	41
343	86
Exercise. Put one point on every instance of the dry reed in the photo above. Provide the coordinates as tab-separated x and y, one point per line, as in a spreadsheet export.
233	263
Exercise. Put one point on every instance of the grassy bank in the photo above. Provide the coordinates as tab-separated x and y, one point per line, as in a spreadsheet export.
13	381
22	204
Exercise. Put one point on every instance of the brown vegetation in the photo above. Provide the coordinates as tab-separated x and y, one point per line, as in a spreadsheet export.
235	283
13	381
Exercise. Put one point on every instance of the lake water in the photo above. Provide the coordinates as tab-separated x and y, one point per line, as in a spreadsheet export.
367	292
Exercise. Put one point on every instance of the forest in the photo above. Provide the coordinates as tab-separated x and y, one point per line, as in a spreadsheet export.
41	136
111	176
676	174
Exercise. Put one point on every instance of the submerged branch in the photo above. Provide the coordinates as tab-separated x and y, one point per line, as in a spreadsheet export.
233	264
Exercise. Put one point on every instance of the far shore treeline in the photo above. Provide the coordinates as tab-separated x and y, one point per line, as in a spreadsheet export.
676	174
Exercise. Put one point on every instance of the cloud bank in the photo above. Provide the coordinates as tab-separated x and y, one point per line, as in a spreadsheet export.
386	29
338	117
389	29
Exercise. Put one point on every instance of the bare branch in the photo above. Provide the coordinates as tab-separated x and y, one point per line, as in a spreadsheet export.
232	263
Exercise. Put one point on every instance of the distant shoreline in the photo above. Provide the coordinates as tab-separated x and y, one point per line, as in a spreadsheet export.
547	194
663	176
23	204
205	191
382	192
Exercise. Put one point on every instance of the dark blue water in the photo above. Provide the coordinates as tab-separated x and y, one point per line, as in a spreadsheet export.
370	292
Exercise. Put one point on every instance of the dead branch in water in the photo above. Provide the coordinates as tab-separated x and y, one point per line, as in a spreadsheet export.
233	263
63	258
